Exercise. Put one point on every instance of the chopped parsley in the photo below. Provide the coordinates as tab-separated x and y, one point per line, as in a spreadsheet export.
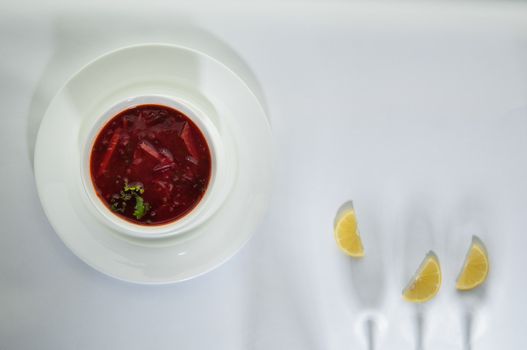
141	207
133	190
135	187
118	206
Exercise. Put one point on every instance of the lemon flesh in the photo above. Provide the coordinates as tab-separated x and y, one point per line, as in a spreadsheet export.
347	235
475	268
426	282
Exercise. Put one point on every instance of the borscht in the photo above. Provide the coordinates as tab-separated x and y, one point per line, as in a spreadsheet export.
150	164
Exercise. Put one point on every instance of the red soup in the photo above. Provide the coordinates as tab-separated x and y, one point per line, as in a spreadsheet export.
150	164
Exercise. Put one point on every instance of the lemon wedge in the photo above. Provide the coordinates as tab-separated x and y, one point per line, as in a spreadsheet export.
475	268
347	234
426	282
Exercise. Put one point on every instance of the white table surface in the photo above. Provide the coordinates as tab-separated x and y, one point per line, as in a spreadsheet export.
416	112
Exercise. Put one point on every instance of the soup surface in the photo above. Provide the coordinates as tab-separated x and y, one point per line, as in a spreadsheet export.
150	164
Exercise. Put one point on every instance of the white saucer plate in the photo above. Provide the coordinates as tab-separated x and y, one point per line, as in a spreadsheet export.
175	72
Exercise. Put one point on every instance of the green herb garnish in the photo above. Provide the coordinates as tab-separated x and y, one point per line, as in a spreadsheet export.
135	187
134	190
141	207
125	196
119	206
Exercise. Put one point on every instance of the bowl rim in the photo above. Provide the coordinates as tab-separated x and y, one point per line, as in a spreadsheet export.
199	213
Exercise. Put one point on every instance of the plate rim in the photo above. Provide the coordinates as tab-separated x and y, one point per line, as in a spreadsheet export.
222	258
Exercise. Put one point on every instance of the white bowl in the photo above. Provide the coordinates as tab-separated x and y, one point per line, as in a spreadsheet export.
210	202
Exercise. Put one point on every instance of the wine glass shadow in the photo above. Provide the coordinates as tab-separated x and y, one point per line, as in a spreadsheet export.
79	39
471	302
419	326
419	240
470	222
367	275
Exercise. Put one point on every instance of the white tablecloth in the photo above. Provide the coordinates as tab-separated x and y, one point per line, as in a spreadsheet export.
416	112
